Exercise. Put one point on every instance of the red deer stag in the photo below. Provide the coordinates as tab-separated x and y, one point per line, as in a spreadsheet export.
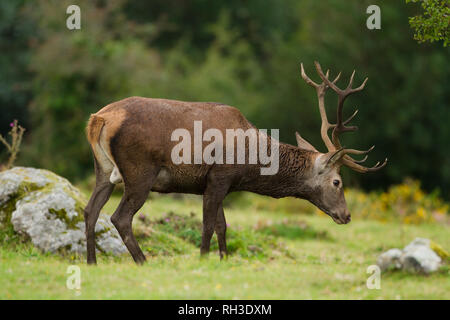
131	142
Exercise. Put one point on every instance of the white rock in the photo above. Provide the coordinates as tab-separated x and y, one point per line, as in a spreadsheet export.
417	242
49	210
415	257
419	257
390	259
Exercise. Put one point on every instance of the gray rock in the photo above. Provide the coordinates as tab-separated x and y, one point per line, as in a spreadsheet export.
390	259
49	211
418	256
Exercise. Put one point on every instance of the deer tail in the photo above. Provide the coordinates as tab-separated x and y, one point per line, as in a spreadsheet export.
94	128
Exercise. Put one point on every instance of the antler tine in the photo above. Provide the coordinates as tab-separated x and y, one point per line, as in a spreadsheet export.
358	152
325	79
350	82
361	86
362	160
351	117
306	78
359	168
354	151
337	77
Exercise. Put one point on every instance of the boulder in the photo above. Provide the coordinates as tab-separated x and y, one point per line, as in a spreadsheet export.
418	256
48	210
390	259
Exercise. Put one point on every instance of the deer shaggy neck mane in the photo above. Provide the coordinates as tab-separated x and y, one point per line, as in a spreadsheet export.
295	167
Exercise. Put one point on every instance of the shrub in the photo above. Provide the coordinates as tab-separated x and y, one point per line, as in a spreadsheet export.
406	202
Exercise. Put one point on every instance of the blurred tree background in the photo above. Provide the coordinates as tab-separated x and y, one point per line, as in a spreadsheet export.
242	53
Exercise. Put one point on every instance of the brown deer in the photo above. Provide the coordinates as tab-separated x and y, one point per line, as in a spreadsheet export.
131	142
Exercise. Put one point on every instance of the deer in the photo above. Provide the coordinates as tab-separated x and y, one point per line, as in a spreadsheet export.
131	143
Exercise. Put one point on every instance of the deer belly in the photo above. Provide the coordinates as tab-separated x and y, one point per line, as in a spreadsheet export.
176	181
162	180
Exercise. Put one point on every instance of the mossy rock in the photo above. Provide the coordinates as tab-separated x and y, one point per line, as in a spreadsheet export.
48	210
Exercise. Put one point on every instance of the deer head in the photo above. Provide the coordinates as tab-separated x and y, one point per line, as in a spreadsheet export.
325	180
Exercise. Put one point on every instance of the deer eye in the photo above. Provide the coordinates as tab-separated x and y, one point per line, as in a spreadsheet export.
336	183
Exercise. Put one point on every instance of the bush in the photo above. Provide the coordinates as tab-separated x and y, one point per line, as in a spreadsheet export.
405	202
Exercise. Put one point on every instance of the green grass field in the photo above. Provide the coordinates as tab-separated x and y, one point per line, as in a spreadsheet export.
276	255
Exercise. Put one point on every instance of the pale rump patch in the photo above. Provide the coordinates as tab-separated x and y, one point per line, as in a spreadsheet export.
104	145
105	125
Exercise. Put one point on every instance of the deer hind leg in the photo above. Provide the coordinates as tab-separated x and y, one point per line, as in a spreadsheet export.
221	229
137	188
101	194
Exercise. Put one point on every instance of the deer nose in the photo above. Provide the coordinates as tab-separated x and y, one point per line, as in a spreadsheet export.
346	217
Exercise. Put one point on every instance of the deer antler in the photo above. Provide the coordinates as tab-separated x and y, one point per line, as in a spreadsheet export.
340	126
321	89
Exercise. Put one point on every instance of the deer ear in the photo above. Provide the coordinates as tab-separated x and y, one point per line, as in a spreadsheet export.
303	144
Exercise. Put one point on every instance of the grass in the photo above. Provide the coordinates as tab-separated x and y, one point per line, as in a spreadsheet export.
291	256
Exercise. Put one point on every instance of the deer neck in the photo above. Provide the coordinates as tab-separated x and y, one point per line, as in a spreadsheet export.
295	167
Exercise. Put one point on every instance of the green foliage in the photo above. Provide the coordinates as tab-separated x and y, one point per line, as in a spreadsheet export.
433	24
16	39
166	235
291	229
405	202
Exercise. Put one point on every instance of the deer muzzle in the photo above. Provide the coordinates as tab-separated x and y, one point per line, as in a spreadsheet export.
342	218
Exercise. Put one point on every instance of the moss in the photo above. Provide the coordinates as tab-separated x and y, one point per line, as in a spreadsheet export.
6	211
9	206
62	215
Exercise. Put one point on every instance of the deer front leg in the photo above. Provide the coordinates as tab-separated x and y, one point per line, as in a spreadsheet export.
221	229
